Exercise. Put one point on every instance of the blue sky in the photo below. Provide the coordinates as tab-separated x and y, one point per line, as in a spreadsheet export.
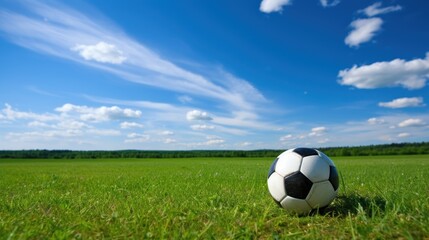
212	74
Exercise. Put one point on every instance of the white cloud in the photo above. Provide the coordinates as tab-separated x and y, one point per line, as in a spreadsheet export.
210	137
100	52
99	114
185	99
58	135
317	131
404	135
154	108
137	138
245	119
11	114
214	142
43	135
170	113
198	115
211	142
244	144
268	6
403	103
412	122
286	137
104	132
326	3
38	124
299	138
202	127
375	9
70	124
363	30
170	140
323	141
126	125
99	41
167	133
136	135
411	74
365	133
375	121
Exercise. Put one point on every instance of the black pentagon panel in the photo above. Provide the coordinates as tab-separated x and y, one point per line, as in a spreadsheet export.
304	152
273	167
333	177
297	185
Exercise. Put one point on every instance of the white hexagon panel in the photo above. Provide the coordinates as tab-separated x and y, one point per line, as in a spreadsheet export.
276	186
295	205
287	163
321	194
315	168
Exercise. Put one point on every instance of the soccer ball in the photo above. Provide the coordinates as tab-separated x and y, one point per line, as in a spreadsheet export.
303	179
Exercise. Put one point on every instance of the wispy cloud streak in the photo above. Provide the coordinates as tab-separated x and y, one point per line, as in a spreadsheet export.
59	30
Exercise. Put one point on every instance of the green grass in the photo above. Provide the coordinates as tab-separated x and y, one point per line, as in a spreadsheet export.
380	197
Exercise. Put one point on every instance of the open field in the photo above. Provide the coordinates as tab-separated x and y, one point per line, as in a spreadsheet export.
380	197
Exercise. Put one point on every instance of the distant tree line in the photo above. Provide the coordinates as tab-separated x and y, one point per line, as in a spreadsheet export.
371	150
376	150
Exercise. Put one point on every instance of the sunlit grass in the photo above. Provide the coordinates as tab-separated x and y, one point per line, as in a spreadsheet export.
380	197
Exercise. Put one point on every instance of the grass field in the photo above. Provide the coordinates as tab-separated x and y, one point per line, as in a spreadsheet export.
380	197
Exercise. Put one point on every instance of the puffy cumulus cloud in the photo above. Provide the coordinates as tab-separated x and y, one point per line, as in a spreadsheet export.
100	52
99	114
202	127
127	125
403	103
412	122
411	74
375	121
9	113
363	30
198	115
317	131
326	3
269	6
375	9
70	126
